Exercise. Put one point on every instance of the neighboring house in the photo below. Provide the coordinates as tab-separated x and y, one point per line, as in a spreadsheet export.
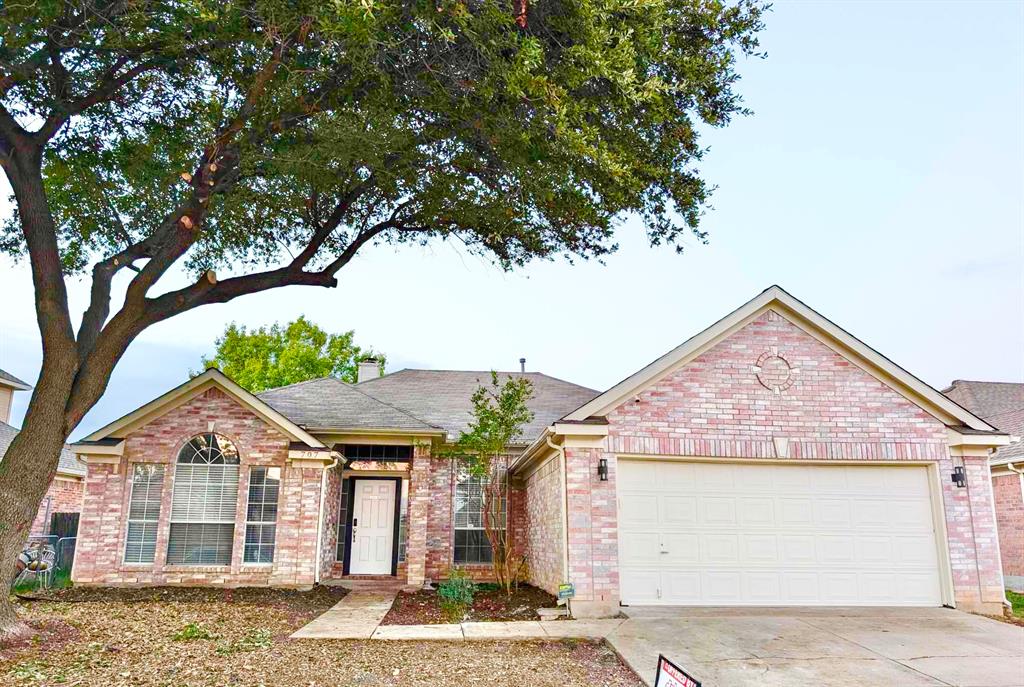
65	493
1001	404
772	459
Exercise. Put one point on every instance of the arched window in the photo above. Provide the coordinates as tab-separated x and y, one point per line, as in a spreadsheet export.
204	502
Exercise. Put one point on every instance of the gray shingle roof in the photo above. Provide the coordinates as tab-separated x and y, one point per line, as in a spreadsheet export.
12	380
68	464
330	402
442	397
1001	404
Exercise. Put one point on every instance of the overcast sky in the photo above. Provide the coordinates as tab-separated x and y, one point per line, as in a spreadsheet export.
880	180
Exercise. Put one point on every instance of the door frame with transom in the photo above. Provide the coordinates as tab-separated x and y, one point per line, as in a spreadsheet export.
346	569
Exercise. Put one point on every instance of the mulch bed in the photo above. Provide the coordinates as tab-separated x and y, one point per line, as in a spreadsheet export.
489	604
136	638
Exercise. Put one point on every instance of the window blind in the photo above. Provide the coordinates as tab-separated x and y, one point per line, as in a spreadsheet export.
143	513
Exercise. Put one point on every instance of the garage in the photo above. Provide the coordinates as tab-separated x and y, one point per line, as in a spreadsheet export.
777	534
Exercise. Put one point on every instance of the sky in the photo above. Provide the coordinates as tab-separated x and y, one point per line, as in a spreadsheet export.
880	180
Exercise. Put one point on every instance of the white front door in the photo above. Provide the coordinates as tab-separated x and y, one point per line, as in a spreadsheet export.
698	533
373	527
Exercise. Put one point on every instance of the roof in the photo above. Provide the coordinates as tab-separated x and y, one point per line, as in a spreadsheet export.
442	398
190	389
67	465
7	379
329	403
1001	404
778	299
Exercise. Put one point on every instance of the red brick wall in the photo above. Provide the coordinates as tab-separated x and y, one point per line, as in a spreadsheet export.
545	526
1010	520
63	496
100	550
715	406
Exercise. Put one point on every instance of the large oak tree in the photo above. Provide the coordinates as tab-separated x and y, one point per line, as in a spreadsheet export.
273	139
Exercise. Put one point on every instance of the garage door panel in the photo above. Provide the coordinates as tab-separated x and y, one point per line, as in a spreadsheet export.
678	510
756	511
718	510
776	534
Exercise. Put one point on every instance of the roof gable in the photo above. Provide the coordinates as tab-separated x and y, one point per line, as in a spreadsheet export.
810	321
213	377
7	379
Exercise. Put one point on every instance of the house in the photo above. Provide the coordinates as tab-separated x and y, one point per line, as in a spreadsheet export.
1002	405
772	459
64	497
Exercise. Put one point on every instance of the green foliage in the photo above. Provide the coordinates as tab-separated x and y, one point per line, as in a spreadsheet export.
191	632
254	640
274	356
426	120
1017	602
456	593
500	411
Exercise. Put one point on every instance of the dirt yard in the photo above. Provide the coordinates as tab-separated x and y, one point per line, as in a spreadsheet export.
190	637
489	603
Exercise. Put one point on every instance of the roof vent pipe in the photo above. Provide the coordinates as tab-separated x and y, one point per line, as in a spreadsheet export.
522	365
368	369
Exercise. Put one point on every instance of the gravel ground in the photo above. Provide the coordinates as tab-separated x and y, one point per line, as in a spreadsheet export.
184	637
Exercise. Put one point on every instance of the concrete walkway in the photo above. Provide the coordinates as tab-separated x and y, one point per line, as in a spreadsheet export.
354	617
521	629
824	647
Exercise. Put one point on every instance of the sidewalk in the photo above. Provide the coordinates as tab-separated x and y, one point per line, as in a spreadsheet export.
354	617
525	629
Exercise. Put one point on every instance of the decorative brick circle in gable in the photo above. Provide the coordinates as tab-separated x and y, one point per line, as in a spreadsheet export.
774	372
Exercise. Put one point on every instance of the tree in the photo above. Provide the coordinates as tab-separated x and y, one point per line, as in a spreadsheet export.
275	356
500	412
149	140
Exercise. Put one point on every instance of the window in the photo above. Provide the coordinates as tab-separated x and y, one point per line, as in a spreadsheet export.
471	544
143	513
203	503
377	452
343	521
261	515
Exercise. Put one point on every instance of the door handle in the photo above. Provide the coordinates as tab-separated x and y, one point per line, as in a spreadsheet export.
355	522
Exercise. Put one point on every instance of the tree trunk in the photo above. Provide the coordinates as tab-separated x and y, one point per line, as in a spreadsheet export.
25	474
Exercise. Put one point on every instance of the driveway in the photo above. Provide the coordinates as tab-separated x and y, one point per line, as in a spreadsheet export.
731	647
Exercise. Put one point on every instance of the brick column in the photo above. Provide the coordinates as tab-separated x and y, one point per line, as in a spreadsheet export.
98	551
973	539
419	507
593	533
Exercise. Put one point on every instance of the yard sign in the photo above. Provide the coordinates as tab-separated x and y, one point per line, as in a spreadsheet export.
671	675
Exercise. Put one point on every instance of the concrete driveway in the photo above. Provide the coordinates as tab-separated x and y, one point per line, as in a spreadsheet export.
731	647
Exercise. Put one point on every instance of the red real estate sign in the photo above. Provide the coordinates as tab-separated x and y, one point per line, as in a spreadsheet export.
671	675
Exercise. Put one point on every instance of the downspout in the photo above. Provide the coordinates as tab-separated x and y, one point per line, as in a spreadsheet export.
320	518
565	512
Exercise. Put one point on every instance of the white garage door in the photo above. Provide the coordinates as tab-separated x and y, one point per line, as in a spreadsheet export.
742	534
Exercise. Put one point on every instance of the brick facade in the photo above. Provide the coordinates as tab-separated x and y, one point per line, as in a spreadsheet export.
545	526
716	406
1009	501
102	528
63	496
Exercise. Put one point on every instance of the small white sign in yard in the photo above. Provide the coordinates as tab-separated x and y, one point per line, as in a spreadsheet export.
671	675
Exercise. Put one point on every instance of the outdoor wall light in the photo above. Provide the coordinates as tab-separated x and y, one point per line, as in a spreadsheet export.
602	469
959	476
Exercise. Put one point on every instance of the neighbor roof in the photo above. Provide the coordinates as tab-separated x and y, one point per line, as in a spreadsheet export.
329	403
7	379
1001	404
443	397
67	465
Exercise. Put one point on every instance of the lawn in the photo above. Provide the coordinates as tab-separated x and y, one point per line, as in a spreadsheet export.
1017	601
192	637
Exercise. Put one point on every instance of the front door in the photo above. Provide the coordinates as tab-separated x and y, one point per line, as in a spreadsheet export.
373	527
